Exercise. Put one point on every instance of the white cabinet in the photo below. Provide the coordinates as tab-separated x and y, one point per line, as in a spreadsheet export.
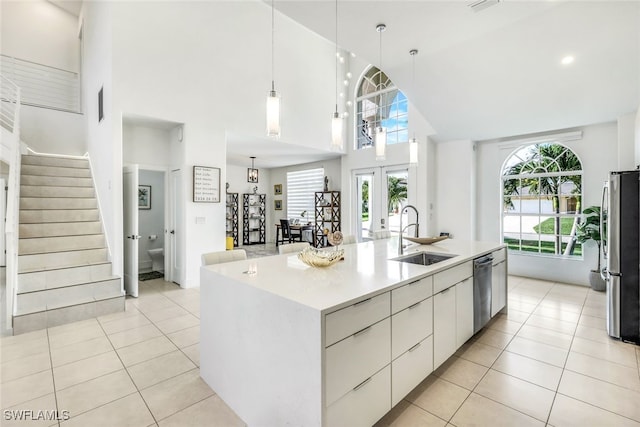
464	311
410	369
410	326
444	325
498	282
364	404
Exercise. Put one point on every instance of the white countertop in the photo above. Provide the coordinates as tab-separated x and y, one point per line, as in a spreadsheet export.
367	270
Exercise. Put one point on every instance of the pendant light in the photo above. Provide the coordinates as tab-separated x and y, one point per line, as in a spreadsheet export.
381	133
336	120
413	142
273	100
252	172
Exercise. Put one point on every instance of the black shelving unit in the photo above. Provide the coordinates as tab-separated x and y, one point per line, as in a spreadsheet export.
254	218
327	215
232	217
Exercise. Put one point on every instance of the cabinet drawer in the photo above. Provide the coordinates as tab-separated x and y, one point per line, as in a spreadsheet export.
356	358
499	255
411	326
409	294
450	277
410	369
363	405
352	319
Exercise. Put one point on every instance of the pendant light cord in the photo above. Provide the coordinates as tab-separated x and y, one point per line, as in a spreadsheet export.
336	94
273	60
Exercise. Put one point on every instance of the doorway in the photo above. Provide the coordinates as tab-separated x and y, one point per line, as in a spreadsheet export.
381	193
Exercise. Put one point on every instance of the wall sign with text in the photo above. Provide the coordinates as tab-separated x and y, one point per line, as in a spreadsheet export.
206	184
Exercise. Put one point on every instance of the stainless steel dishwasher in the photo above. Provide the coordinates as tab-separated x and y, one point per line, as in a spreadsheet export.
481	291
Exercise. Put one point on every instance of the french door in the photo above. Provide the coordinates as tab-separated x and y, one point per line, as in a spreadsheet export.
381	193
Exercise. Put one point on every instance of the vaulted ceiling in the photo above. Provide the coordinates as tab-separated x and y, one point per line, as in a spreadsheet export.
496	72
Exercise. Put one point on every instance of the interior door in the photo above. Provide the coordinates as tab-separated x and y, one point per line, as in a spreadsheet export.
130	227
176	237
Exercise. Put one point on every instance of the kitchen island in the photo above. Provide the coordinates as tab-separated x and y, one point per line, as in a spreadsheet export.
283	343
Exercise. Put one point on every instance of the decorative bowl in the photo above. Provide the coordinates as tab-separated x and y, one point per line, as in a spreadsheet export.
319	258
335	238
425	240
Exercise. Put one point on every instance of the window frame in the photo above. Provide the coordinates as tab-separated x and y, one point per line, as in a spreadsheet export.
540	197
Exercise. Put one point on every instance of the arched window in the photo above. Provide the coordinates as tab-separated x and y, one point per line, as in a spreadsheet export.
380	103
542	195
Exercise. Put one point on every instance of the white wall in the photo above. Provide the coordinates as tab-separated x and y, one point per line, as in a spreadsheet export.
106	157
596	164
145	145
151	221
455	189
626	142
40	32
51	131
637	138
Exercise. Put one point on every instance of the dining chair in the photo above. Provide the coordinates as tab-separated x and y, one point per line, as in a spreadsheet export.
292	247
288	233
223	256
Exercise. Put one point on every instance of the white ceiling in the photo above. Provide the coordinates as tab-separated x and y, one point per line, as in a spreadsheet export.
497	72
270	153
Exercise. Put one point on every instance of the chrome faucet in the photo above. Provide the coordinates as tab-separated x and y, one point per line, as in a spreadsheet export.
416	224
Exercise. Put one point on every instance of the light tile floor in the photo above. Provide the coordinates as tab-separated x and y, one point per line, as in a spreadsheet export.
548	362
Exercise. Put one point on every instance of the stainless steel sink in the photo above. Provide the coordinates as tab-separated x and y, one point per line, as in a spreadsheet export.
423	258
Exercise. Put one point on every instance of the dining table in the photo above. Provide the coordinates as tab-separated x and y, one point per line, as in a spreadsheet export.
302	227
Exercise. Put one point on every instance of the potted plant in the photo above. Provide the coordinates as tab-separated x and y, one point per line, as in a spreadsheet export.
587	230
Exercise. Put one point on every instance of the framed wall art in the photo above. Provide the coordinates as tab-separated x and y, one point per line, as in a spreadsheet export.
144	197
206	184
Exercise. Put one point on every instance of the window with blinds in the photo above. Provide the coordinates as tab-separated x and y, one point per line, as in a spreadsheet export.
301	188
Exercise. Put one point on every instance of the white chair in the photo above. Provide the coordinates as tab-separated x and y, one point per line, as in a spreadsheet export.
223	256
379	234
292	247
349	239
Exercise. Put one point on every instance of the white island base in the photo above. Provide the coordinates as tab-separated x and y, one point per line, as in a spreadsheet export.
286	344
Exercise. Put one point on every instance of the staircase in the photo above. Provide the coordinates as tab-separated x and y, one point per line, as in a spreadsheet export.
64	274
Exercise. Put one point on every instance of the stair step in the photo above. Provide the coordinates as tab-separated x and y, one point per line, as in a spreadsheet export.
51	299
58	229
56	260
54	191
58	278
45	245
57	203
67	162
61	316
36	216
55	171
55	181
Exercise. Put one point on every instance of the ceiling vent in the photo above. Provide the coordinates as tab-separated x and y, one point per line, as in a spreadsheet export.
479	5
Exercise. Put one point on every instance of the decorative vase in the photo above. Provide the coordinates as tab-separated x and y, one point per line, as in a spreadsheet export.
596	281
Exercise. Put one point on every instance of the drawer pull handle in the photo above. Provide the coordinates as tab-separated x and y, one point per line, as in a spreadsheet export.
446	290
413	283
362	302
415	346
362	384
361	331
415	305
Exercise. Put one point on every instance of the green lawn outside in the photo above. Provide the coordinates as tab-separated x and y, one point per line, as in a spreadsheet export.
532	246
365	216
546	226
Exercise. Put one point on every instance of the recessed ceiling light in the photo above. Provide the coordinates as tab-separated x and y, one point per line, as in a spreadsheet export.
568	60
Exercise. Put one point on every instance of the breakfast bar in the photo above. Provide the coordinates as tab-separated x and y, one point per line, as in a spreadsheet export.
283	343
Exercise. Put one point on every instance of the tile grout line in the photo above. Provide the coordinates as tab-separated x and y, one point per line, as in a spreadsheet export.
53	378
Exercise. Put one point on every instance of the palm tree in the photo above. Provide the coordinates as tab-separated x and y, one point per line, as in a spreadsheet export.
546	159
397	190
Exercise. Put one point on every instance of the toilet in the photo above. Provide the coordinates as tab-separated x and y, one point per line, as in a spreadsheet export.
157	259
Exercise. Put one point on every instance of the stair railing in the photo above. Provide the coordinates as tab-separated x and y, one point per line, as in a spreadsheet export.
10	119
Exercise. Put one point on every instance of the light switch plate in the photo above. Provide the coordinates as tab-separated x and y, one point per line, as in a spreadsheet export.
200	220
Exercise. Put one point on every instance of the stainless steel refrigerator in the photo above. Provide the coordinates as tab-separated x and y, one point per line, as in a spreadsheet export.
621	247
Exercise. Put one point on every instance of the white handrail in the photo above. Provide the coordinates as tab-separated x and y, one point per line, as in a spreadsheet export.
11	98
